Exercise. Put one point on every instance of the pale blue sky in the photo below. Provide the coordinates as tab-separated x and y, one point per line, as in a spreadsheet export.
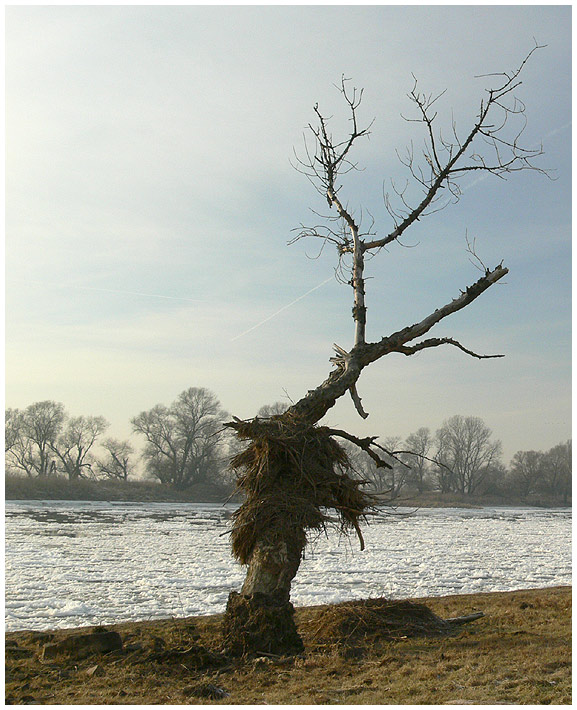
150	198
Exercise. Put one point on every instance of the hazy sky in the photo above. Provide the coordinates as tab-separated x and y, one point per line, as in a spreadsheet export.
150	198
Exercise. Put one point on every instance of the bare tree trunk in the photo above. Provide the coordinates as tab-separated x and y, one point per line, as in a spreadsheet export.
272	569
261	617
269	536
292	473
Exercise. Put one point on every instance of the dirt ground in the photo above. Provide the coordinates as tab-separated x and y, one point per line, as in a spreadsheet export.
518	653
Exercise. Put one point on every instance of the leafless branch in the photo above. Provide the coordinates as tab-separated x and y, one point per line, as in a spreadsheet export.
435	342
357	402
364	444
492	146
448	160
397	342
476	260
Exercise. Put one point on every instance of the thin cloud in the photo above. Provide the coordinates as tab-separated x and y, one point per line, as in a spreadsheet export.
112	290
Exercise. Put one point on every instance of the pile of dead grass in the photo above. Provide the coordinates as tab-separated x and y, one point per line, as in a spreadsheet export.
362	622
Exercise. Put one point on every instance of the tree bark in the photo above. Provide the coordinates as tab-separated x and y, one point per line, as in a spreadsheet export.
272	568
261	617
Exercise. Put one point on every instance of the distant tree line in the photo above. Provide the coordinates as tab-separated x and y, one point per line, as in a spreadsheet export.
185	443
462	458
43	440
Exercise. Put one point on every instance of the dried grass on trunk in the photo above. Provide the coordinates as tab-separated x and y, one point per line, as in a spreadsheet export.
291	472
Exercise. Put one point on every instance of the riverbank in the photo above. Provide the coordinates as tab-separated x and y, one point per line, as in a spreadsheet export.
518	653
20	488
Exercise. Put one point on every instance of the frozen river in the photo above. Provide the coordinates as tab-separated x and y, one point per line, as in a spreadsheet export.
81	563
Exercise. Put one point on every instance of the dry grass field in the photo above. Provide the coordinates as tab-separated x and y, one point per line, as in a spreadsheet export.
518	653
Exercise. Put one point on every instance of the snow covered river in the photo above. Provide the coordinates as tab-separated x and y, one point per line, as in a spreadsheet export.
72	563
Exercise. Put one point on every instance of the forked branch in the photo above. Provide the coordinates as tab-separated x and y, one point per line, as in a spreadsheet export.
492	146
349	365
397	342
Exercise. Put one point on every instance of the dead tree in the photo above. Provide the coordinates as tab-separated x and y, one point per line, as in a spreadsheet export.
293	470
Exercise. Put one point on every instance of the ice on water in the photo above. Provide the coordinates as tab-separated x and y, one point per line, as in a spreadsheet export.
83	563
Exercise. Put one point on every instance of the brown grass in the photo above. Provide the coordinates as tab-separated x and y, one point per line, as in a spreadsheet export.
519	653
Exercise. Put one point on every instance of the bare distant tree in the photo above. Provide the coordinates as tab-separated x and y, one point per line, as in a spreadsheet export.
117	463
17	447
183	440
31	435
293	470
395	476
74	445
557	471
12	428
526	471
419	444
466	449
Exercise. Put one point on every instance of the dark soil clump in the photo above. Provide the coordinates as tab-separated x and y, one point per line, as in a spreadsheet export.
260	623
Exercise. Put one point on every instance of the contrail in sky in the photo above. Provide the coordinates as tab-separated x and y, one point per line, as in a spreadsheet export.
280	310
276	313
112	290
